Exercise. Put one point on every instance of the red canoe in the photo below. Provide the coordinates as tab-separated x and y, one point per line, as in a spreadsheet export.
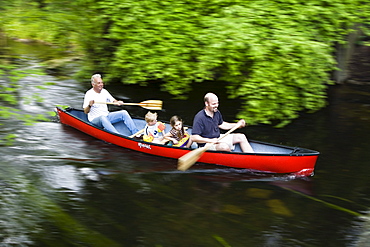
269	158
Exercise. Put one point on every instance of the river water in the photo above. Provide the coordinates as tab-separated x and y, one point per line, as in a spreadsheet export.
60	187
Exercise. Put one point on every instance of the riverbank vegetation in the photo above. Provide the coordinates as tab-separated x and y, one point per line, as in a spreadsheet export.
276	56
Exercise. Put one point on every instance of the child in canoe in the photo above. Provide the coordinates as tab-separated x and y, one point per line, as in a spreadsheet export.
177	135
153	130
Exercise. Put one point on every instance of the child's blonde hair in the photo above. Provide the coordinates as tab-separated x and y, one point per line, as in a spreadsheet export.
150	116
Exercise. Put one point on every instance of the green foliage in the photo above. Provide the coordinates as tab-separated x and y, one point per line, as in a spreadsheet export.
277	56
46	21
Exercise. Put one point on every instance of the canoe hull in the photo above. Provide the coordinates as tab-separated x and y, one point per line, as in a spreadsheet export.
300	163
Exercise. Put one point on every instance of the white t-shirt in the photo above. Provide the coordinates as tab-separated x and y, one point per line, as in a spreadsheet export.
153	129
97	110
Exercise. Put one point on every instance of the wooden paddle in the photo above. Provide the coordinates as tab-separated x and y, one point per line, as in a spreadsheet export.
137	133
147	104
189	159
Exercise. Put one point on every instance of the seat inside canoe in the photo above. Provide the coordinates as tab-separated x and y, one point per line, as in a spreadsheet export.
258	147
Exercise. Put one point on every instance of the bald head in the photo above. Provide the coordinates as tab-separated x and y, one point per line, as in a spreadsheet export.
211	102
210	97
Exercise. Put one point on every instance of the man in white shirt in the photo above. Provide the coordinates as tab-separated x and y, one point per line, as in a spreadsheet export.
98	114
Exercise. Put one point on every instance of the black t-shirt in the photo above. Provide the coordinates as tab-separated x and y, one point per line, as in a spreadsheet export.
206	126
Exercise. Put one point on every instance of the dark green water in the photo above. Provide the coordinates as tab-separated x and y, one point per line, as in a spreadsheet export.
60	187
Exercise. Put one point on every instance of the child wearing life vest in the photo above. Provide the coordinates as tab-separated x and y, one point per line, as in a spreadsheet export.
177	135
153	130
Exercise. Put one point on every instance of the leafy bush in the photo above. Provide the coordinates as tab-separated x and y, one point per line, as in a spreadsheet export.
275	55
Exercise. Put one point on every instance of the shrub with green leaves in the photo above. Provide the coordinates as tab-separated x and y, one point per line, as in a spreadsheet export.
275	55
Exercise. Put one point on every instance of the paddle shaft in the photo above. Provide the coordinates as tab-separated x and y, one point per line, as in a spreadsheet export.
189	159
137	133
148	104
111	103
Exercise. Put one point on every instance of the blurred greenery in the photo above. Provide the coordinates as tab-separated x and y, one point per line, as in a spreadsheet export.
10	76
276	56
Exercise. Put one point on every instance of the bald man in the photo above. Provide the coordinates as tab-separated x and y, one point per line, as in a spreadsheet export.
207	124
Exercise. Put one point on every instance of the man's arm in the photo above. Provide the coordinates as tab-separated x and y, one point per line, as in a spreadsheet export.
88	107
118	102
227	126
224	126
199	139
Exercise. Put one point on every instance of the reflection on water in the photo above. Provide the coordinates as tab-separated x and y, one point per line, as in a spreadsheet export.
364	239
63	177
19	219
59	185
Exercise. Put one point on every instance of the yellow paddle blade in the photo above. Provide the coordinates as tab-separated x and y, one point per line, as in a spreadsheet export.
186	161
152	104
